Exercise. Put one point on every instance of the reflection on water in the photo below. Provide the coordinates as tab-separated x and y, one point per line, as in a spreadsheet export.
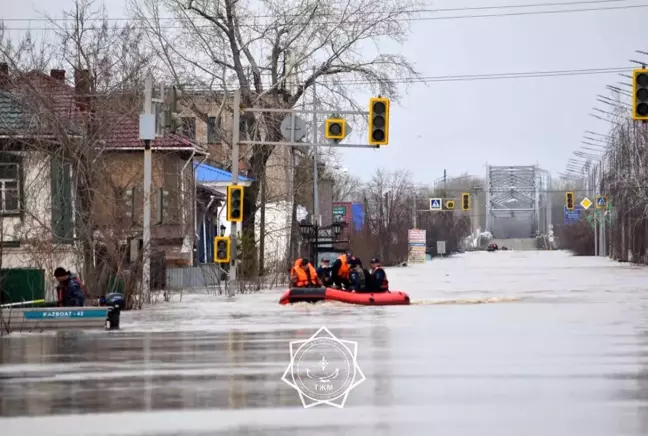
445	366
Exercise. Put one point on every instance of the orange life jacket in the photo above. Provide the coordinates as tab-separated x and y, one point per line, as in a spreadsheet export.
385	283
344	270
301	278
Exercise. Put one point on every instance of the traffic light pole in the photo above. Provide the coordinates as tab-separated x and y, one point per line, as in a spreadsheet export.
316	211
235	169
146	231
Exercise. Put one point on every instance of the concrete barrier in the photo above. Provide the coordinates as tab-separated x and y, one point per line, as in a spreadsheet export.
59	318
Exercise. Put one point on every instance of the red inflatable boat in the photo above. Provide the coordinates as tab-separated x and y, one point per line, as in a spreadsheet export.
313	295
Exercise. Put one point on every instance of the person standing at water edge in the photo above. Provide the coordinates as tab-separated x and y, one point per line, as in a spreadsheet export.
70	291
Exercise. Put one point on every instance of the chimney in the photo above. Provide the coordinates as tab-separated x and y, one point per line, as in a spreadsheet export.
4	75
82	89
58	75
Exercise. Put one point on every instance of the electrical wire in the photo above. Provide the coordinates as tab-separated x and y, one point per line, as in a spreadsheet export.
189	88
359	16
412	11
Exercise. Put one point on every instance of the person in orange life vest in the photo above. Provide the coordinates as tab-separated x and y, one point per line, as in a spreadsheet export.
379	282
303	275
341	271
70	291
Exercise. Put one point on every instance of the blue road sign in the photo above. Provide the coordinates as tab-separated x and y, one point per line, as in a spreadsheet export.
601	202
572	216
435	204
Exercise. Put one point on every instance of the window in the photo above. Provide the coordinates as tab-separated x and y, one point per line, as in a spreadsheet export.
212	130
189	127
9	188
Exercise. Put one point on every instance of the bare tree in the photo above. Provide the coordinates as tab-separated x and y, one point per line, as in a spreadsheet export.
273	51
73	121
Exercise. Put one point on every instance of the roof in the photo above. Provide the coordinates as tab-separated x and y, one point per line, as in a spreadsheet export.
127	136
13	118
209	174
121	130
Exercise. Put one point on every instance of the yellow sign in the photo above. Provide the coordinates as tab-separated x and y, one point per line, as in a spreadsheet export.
586	203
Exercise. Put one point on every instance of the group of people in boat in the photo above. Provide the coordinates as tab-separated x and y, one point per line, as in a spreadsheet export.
346	273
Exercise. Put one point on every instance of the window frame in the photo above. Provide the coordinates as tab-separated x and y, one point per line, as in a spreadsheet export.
4	211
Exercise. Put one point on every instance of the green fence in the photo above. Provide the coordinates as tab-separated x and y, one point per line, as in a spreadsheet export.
18	284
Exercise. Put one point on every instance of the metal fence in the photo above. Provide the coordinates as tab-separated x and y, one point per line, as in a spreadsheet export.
196	277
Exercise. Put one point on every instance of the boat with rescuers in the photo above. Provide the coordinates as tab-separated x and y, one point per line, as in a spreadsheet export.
314	295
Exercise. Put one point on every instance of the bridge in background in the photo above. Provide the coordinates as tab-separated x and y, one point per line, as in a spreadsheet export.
517	201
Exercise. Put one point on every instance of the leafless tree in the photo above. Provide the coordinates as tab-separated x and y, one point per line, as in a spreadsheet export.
273	51
71	122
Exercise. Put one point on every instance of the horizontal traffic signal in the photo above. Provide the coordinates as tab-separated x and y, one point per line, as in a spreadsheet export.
235	203
222	247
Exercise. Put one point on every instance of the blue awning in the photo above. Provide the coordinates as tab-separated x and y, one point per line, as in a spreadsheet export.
209	174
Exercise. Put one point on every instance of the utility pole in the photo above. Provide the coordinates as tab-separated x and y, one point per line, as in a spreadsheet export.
414	210
236	126
445	177
316	211
146	231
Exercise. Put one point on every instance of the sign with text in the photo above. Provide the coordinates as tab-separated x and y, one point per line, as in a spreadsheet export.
416	239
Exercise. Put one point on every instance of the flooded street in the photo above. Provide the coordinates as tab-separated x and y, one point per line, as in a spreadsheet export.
558	347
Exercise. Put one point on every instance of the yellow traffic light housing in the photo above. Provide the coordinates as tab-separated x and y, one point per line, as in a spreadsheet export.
640	94
450	204
465	201
569	200
335	128
222	245
235	203
379	121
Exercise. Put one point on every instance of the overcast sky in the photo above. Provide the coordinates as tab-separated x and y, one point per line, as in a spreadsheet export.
463	125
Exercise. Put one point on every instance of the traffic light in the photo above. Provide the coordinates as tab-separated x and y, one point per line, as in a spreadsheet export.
222	249
569	200
335	128
450	204
379	121
235	203
465	201
171	117
640	94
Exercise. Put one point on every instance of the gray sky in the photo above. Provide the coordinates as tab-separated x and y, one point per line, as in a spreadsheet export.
462	125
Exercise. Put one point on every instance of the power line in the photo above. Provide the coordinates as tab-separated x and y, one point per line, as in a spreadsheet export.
364	14
471	77
360	16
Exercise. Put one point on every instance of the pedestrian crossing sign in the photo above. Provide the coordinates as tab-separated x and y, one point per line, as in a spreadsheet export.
601	202
435	204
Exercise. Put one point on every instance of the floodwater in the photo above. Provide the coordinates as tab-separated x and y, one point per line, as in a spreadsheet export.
558	347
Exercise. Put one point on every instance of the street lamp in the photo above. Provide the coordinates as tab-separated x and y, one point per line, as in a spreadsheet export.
336	227
305	229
